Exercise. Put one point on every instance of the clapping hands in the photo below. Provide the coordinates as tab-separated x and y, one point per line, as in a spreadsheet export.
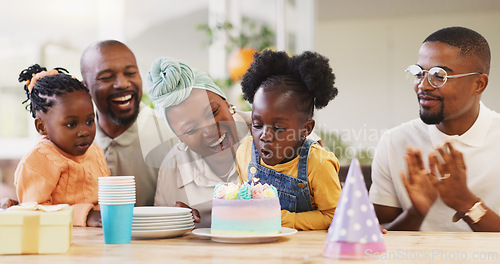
419	184
445	177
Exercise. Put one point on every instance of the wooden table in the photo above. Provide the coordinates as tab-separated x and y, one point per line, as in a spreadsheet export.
303	247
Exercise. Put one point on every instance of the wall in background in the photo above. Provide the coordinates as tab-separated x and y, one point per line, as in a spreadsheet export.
369	45
369	57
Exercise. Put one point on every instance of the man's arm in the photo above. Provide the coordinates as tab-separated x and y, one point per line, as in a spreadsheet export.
422	194
395	219
489	222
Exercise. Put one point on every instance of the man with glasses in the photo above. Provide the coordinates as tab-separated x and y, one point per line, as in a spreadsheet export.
450	183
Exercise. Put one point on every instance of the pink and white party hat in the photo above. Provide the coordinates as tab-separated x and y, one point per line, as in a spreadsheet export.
354	232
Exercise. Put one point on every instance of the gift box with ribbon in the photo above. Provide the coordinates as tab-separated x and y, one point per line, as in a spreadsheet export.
31	228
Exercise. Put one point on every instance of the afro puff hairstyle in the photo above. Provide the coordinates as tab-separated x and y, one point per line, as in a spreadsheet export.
309	68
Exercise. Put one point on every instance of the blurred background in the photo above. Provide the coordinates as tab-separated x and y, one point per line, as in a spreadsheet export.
369	44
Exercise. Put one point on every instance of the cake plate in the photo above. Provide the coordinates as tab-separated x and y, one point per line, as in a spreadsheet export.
285	231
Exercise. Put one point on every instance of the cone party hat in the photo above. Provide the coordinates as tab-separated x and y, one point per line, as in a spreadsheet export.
354	232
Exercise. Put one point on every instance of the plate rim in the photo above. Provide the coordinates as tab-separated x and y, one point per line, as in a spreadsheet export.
187	229
179	211
162	222
158	221
206	232
156	235
159	227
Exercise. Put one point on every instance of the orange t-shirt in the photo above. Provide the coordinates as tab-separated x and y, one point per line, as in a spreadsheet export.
48	175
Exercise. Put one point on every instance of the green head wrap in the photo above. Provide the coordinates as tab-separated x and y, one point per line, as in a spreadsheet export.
171	81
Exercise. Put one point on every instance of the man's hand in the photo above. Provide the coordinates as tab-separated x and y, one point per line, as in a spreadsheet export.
419	183
452	183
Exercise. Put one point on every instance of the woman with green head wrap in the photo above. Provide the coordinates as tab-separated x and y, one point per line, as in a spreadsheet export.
208	127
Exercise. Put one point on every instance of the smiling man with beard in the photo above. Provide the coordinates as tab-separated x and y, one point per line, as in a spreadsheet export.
133	138
456	131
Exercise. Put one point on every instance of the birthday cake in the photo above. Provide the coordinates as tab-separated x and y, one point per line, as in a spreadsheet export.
245	210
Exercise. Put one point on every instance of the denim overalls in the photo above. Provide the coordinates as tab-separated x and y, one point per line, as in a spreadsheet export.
293	192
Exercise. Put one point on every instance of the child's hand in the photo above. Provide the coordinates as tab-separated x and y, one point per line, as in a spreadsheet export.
7	202
196	213
94	218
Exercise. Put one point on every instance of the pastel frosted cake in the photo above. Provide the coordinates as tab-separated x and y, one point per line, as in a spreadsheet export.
245	210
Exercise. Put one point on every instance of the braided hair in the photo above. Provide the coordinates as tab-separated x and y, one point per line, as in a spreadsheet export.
306	74
42	95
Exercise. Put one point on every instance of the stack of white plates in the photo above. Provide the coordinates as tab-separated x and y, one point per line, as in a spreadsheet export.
161	222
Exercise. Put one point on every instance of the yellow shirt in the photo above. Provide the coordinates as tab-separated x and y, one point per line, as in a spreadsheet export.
324	185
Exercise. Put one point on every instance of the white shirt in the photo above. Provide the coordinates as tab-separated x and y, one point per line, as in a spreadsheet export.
480	147
139	152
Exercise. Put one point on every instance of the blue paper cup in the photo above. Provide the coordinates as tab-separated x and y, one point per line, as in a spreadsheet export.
117	222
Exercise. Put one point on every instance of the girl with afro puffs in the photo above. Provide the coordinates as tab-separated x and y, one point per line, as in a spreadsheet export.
284	91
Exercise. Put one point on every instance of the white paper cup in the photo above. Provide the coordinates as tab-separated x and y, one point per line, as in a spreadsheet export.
115	190
114	186
121	198
116	178
116	194
112	202
130	197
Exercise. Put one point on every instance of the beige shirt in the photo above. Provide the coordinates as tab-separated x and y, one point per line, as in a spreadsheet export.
139	152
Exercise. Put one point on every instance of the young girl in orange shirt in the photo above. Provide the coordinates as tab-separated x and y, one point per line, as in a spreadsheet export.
64	166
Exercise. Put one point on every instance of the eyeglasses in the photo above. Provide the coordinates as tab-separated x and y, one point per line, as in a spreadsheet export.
436	76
